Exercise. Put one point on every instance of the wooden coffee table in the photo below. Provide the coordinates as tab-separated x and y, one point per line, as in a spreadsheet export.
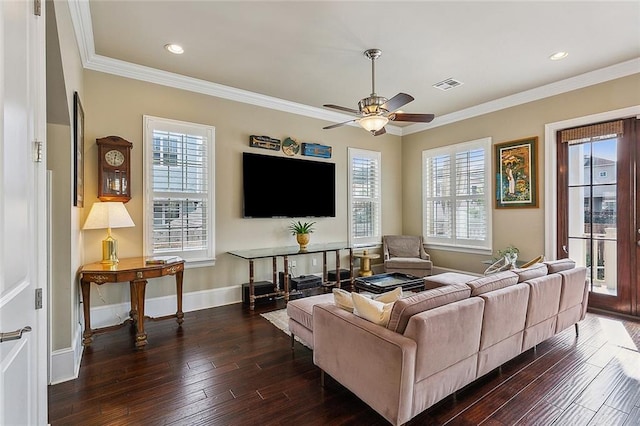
386	282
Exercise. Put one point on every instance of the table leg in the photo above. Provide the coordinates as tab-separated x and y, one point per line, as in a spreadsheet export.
286	278
252	295
275	273
179	313
325	276
338	268
141	336
87	335
133	313
351	266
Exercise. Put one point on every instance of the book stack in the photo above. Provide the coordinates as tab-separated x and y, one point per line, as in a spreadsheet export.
161	260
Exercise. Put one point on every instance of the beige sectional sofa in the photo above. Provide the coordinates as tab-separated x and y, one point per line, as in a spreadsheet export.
439	340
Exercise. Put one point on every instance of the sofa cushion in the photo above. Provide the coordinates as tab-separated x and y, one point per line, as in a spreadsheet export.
536	270
301	310
405	308
492	282
371	310
407	263
560	265
343	299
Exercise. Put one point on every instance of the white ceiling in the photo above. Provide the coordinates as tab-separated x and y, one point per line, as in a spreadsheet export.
308	53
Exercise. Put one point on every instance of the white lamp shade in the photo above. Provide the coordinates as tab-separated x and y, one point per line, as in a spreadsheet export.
373	123
109	214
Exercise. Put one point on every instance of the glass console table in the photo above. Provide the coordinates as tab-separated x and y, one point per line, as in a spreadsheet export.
284	252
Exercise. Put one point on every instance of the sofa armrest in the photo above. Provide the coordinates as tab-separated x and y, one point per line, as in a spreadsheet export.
376	364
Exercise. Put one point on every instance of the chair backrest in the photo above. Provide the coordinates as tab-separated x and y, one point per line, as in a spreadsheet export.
402	246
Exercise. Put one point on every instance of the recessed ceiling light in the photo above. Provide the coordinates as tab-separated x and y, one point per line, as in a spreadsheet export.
174	48
558	55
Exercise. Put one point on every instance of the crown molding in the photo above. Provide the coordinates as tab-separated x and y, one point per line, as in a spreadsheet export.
602	75
81	19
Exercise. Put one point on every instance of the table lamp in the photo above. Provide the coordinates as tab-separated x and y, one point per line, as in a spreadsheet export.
108	215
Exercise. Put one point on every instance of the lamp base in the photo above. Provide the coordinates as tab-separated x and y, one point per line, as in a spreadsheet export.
109	251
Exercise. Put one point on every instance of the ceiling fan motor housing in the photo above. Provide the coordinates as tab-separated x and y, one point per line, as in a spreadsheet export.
372	105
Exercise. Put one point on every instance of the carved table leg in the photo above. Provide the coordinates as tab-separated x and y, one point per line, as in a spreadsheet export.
338	269
141	336
286	278
87	335
133	313
179	313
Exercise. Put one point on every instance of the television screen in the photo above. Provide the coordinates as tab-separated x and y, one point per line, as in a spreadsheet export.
287	187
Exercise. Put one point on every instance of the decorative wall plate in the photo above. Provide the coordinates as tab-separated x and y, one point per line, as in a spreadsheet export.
290	146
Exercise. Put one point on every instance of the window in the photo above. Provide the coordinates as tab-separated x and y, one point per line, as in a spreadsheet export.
457	196
364	196
179	185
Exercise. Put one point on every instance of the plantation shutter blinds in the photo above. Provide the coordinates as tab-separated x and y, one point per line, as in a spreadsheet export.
456	210
365	190
179	192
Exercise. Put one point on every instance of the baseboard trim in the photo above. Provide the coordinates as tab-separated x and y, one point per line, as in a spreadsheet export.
65	363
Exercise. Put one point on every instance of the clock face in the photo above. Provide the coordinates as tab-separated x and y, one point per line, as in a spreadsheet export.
114	158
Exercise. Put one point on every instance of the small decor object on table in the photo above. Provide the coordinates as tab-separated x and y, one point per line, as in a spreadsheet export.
290	146
161	260
302	231
510	254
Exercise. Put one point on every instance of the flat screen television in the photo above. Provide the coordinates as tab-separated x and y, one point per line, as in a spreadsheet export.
287	187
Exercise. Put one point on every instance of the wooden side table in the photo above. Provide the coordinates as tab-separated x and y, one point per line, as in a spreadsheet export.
136	271
365	262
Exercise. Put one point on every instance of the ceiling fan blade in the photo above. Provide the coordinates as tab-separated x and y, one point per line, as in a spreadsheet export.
415	118
341	108
397	101
333	126
380	132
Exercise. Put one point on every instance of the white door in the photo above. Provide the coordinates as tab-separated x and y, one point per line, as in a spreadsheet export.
23	362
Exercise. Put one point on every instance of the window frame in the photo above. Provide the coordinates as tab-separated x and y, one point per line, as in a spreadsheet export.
453	243
204	257
375	239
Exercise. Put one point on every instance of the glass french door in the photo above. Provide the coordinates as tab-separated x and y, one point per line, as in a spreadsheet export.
597	210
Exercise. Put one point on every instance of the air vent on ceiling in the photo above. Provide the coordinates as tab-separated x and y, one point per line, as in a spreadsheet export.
447	84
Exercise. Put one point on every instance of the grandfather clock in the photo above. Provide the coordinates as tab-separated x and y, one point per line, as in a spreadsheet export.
114	169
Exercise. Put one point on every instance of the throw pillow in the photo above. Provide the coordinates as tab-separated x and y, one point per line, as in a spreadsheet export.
371	310
343	300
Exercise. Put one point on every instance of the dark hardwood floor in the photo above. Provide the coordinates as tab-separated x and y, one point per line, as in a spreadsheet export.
230	366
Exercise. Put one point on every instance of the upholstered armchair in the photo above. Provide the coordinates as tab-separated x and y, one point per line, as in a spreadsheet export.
405	254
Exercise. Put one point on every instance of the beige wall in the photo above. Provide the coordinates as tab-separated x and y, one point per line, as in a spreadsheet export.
66	255
115	106
524	228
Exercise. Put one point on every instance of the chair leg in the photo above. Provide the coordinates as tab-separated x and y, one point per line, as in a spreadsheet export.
577	331
293	341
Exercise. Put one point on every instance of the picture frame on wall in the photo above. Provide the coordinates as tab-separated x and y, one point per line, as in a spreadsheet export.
516	167
78	152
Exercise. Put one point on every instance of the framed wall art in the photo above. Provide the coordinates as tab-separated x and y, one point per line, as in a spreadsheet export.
78	152
516	165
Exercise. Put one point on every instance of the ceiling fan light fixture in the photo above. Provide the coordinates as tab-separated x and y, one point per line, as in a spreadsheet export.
373	123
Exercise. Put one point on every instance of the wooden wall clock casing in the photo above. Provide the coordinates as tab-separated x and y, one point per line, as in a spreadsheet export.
114	169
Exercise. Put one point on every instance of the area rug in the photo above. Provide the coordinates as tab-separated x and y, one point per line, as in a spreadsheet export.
280	319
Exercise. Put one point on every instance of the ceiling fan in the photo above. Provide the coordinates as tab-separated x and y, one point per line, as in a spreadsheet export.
376	111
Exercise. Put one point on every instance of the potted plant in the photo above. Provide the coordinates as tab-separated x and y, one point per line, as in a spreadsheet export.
301	231
510	254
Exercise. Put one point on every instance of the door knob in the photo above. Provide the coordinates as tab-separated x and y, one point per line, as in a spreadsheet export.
14	335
